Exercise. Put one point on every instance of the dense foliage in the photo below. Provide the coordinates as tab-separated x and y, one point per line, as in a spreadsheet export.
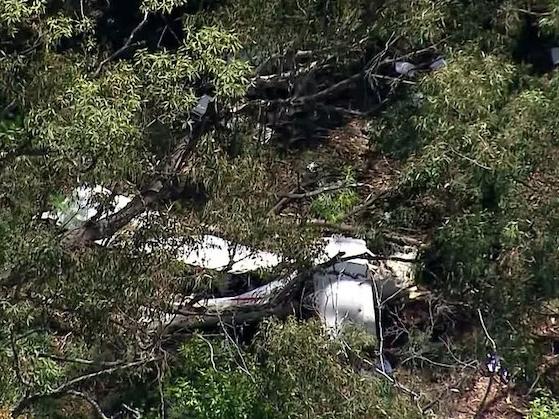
101	93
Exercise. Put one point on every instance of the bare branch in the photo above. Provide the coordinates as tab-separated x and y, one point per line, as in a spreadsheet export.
124	47
396	79
135	412
211	351
7	108
328	188
470	160
91	401
322	94
364	206
160	189
285	200
81	361
379	305
493	344
64	388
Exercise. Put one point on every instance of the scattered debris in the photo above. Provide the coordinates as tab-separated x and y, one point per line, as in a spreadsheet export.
202	107
501	401
405	68
85	204
439	63
312	167
343	291
554	53
494	365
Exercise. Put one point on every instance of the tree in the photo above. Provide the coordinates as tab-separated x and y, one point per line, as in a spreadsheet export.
102	93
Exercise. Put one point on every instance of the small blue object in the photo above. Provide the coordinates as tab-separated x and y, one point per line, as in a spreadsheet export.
504	374
493	363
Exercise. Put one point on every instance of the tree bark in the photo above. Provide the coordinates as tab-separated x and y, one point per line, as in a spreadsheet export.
159	190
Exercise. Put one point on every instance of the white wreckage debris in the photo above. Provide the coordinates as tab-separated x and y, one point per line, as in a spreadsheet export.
554	55
405	68
408	69
344	291
85	204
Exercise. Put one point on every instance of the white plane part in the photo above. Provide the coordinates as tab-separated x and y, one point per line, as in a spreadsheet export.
344	292
212	252
83	206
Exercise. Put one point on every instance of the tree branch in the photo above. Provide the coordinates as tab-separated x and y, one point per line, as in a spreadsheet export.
160	189
81	361
90	400
324	189
65	388
124	47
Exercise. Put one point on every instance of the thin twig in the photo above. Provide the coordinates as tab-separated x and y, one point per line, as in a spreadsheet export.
472	364
328	188
243	367
416	396
470	159
413	53
90	400
533	386
378	301
162	35
398	79
493	345
365	205
530	12
124	47
211	351
63	388
80	361
135	412
322	94
7	108
285	200
429	361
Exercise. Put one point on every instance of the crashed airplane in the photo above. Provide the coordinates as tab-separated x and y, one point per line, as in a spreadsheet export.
348	280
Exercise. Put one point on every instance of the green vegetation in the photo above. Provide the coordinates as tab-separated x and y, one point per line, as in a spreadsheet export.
334	206
460	161
544	407
290	370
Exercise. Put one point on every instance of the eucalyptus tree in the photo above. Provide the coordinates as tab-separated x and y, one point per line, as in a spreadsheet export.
102	93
